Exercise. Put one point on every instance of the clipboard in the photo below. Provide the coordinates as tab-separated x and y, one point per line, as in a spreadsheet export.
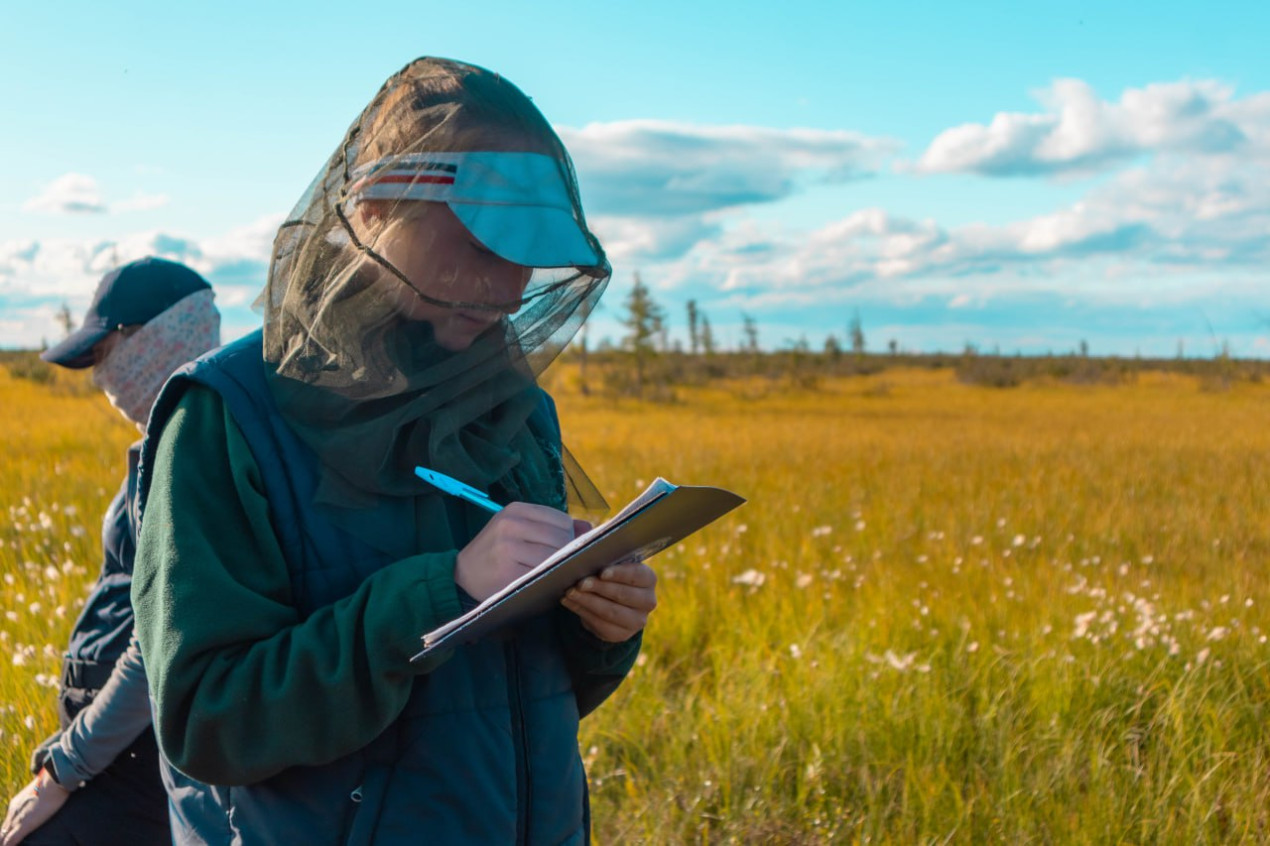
662	515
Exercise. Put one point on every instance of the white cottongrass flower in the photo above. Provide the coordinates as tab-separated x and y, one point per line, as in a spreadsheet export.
1218	633
750	578
902	663
821	531
1082	623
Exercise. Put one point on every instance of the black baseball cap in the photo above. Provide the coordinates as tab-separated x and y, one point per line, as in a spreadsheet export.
134	293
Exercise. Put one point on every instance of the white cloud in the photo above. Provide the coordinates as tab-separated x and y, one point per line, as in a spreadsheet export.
669	196
1189	208
655	189
14	255
633	239
70	193
37	276
1177	216
252	241
53	267
648	167
78	193
1078	133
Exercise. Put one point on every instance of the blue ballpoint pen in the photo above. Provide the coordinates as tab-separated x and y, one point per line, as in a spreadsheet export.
456	488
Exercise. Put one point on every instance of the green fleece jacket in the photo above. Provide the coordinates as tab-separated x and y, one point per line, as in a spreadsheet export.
234	668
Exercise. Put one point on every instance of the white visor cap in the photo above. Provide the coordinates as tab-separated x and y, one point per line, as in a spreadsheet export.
516	204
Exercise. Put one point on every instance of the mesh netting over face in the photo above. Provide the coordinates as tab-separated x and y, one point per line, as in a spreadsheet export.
437	264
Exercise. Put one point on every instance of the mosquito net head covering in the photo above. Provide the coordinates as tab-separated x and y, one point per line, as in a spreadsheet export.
438	262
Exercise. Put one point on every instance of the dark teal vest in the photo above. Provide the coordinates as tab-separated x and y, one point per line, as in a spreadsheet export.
485	750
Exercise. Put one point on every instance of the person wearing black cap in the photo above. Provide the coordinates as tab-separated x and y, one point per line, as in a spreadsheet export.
97	780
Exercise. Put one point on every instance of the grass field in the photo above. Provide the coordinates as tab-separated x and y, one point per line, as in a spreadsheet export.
948	613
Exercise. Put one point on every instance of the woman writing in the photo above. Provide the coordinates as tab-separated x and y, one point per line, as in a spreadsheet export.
290	559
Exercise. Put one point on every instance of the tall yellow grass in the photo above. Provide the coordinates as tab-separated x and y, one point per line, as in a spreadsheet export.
63	461
947	612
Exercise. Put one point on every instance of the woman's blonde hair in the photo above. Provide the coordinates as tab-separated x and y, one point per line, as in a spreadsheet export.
437	105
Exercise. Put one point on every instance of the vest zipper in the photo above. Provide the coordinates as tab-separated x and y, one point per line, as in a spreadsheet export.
520	742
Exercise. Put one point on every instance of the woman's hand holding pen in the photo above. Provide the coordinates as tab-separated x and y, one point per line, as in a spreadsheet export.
516	539
614	605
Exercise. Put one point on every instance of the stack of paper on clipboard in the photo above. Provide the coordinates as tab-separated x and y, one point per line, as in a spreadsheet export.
662	515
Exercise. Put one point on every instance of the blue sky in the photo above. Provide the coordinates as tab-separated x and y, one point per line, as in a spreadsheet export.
1015	176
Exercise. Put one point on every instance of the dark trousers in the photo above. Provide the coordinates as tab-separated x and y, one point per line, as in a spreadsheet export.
124	805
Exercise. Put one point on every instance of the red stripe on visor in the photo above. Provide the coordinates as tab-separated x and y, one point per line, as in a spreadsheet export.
438	180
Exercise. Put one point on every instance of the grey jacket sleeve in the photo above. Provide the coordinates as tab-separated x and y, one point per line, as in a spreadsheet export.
112	721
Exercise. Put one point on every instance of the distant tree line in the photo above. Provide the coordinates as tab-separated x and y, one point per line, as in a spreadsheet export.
645	363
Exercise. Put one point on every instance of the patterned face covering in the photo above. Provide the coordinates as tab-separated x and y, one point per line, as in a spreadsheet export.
134	371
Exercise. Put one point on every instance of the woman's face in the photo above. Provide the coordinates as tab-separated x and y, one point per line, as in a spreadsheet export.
434	250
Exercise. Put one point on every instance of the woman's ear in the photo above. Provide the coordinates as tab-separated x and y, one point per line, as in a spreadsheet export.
371	211
370	218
